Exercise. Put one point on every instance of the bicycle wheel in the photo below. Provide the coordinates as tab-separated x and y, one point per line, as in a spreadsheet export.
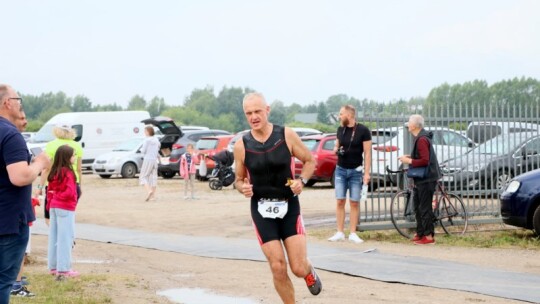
402	214
452	214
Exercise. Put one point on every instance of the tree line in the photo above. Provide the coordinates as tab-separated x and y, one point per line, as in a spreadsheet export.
224	110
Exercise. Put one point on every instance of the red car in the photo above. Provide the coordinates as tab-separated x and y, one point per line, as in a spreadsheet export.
322	148
209	146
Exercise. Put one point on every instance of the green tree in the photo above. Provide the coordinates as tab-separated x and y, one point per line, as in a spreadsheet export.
322	113
278	113
156	106
230	101
202	100
137	103
109	107
81	104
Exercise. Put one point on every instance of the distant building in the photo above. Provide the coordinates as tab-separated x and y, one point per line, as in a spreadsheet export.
312	117
306	117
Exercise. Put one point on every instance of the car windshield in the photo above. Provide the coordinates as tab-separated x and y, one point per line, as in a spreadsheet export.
381	136
311	144
129	145
44	134
499	145
207	144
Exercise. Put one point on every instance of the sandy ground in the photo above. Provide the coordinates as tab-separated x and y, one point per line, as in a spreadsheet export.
140	273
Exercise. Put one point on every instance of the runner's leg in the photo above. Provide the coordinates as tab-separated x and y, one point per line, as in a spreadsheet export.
275	255
297	255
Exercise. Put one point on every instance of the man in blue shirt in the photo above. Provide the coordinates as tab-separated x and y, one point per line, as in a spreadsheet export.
16	177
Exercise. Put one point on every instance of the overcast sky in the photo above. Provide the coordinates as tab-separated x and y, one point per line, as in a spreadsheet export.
293	51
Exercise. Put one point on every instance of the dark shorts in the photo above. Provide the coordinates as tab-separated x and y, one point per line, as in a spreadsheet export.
278	229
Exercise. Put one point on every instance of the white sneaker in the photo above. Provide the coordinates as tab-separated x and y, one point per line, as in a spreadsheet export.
353	237
339	236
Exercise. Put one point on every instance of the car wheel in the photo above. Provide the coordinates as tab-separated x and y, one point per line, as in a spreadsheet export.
105	175
129	170
167	174
333	180
502	179
536	220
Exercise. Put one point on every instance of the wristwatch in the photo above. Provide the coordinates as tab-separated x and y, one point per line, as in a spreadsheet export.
304	181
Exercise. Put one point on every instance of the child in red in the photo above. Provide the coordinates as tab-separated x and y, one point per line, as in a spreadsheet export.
62	201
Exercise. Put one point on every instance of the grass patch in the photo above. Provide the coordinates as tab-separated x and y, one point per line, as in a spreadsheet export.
506	238
87	289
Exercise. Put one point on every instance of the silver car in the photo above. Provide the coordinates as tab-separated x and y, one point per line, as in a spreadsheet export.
126	160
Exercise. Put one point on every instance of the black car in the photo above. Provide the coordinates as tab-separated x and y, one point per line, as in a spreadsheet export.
520	201
170	166
491	165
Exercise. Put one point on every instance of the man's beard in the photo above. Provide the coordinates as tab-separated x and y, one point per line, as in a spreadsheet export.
345	122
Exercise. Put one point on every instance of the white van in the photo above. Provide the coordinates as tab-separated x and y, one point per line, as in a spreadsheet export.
98	132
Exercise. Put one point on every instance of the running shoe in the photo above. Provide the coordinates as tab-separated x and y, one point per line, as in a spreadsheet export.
22	292
353	237
425	241
52	271
68	274
416	238
339	236
313	282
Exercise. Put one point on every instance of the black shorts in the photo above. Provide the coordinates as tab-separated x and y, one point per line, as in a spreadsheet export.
278	229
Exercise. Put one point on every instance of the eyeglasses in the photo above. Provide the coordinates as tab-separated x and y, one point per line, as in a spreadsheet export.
20	101
16	98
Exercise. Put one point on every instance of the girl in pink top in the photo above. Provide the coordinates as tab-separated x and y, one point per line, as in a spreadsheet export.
62	201
187	170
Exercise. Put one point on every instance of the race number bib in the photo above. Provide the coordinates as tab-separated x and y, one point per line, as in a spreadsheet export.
272	208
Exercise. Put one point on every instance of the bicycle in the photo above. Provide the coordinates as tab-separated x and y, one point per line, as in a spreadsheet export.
448	208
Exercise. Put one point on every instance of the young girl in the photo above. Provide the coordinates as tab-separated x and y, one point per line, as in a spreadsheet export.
62	200
187	170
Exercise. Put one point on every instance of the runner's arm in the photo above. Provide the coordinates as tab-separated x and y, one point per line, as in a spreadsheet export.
300	151
240	169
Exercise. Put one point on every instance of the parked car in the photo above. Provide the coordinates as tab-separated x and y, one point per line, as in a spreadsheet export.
126	159
388	145
306	131
481	131
210	146
191	128
520	201
493	163
28	136
233	140
169	165
322	149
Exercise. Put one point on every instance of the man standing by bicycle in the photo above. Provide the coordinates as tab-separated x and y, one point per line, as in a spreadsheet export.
423	155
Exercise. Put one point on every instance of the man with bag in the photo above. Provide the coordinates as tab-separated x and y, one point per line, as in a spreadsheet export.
425	172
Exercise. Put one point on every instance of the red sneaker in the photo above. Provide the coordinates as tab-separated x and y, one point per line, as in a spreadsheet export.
416	238
425	241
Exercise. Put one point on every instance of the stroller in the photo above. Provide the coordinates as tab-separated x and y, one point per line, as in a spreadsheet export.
222	175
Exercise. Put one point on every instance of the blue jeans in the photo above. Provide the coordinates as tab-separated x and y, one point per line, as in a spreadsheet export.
61	236
12	248
348	179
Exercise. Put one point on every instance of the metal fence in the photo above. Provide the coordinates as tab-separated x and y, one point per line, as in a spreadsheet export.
479	148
